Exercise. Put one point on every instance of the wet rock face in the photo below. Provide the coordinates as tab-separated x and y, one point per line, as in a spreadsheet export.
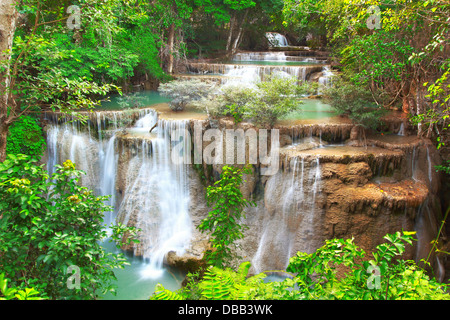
361	190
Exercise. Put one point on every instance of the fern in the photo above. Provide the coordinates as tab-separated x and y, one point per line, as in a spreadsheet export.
162	293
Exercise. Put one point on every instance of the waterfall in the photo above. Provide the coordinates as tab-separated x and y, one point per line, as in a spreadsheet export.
156	199
290	223
108	177
260	56
242	75
276	39
325	80
93	155
251	74
401	130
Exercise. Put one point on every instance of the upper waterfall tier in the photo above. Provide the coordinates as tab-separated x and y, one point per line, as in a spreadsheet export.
278	56
252	72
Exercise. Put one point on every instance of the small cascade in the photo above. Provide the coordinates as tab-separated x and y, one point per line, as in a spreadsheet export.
260	56
401	130
276	39
247	73
290	223
326	79
90	148
108	177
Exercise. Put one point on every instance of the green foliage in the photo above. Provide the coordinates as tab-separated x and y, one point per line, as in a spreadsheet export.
317	273
49	224
355	101
378	57
218	284
234	111
308	88
224	221
228	100
263	104
445	167
12	293
436	116
25	137
132	100
339	270
274	99
183	92
162	293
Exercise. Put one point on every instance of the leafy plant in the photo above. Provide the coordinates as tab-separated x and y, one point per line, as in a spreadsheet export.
339	270
25	137
183	92
354	101
49	224
132	100
233	111
263	104
273	99
12	293
219	284
224	221
317	273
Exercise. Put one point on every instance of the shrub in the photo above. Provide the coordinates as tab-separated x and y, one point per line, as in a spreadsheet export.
319	276
263	104
183	92
25	137
354	101
274	99
49	224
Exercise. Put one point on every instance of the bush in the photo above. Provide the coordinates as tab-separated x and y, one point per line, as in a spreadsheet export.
25	137
263	104
49	224
183	92
274	99
354	101
320	276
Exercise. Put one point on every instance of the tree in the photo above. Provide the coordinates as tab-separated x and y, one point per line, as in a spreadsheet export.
354	101
224	221
391	47
30	77
8	17
183	92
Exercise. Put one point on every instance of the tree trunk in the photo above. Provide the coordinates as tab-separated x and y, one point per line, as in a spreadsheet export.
239	35
405	97
171	41
230	33
8	18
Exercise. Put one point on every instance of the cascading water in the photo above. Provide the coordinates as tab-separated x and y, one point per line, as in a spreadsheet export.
292	217
156	199
260	56
276	39
326	79
157	195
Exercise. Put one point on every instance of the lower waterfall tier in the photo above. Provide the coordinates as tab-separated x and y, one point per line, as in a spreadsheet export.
329	183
